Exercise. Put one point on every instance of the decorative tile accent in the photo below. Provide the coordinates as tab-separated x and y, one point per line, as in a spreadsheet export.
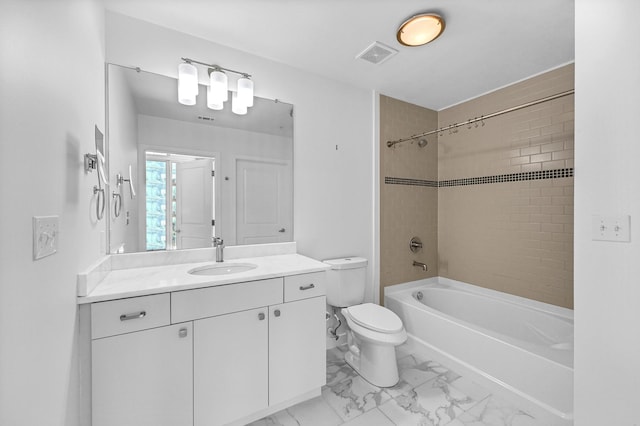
511	177
412	182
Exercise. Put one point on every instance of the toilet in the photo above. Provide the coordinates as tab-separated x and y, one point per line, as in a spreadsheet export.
374	331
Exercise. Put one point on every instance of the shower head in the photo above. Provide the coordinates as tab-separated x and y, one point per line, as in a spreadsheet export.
422	142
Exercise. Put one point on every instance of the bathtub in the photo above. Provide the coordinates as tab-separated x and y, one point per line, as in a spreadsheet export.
519	348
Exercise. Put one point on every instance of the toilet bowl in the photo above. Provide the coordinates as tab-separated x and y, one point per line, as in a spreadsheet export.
374	332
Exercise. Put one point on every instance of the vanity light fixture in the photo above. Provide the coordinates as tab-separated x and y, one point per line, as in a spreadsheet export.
187	83
218	88
245	91
420	29
211	101
237	106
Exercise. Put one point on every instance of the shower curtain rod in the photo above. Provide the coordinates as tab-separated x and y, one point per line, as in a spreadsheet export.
481	118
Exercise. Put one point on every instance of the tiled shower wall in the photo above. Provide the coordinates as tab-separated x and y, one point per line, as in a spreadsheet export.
505	191
409	205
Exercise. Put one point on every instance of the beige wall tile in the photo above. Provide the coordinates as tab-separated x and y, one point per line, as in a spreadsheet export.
519	242
515	237
407	211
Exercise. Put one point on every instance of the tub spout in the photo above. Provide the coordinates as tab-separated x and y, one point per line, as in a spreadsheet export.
421	265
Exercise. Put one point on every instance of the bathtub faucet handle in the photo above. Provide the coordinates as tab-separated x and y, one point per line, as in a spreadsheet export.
421	265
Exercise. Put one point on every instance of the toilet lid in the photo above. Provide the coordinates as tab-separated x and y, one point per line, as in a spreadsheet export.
375	317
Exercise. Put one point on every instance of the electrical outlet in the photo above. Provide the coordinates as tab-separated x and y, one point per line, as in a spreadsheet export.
45	236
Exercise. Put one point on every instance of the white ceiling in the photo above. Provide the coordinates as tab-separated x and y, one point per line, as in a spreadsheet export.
486	44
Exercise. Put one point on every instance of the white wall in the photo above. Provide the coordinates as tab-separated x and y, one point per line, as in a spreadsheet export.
51	95
607	278
333	188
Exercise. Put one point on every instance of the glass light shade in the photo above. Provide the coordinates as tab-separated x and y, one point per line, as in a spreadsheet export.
211	101
186	97
420	29
218	84
245	91
187	83
237	106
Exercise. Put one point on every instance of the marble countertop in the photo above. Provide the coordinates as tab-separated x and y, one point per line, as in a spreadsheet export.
122	283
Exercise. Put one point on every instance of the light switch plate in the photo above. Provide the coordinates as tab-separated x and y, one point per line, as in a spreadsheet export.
611	228
45	236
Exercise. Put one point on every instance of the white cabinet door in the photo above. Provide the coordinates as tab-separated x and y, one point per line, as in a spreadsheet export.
144	378
230	366
297	358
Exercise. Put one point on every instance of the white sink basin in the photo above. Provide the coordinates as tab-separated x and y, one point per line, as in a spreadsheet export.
222	269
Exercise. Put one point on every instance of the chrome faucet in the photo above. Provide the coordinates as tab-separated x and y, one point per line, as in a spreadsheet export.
218	243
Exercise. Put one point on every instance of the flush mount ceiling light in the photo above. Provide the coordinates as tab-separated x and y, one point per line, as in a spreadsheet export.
218	88
420	29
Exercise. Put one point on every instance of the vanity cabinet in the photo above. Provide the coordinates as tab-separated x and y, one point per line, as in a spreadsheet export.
297	356
231	375
144	378
208	356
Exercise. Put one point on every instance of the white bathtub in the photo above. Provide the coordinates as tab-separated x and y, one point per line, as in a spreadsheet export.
516	346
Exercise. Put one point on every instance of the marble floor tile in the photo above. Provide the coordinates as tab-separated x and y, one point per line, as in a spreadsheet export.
493	411
314	412
436	402
337	368
281	418
353	396
371	418
428	394
403	350
413	372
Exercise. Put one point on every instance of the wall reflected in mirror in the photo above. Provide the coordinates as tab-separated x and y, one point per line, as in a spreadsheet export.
196	173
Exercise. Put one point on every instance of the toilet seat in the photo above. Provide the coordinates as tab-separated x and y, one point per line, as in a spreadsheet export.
375	317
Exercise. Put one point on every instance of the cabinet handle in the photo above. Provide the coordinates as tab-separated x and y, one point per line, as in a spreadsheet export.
277	312
307	287
183	332
261	316
135	315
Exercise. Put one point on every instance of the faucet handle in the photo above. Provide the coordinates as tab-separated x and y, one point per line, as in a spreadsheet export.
217	241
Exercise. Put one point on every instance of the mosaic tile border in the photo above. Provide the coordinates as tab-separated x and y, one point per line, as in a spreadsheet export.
412	182
511	177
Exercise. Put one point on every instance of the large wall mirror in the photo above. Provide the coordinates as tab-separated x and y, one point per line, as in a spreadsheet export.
180	175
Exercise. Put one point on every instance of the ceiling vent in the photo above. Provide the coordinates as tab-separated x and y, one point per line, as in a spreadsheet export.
377	53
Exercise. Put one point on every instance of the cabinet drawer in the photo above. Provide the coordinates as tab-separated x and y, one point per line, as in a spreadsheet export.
190	305
304	286
128	315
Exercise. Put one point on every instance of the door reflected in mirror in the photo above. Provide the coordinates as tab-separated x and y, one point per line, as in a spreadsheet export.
180	197
197	173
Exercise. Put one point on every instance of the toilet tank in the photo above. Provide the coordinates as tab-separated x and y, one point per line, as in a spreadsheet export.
346	281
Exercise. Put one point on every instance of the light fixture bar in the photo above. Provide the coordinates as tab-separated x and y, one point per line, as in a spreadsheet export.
244	74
